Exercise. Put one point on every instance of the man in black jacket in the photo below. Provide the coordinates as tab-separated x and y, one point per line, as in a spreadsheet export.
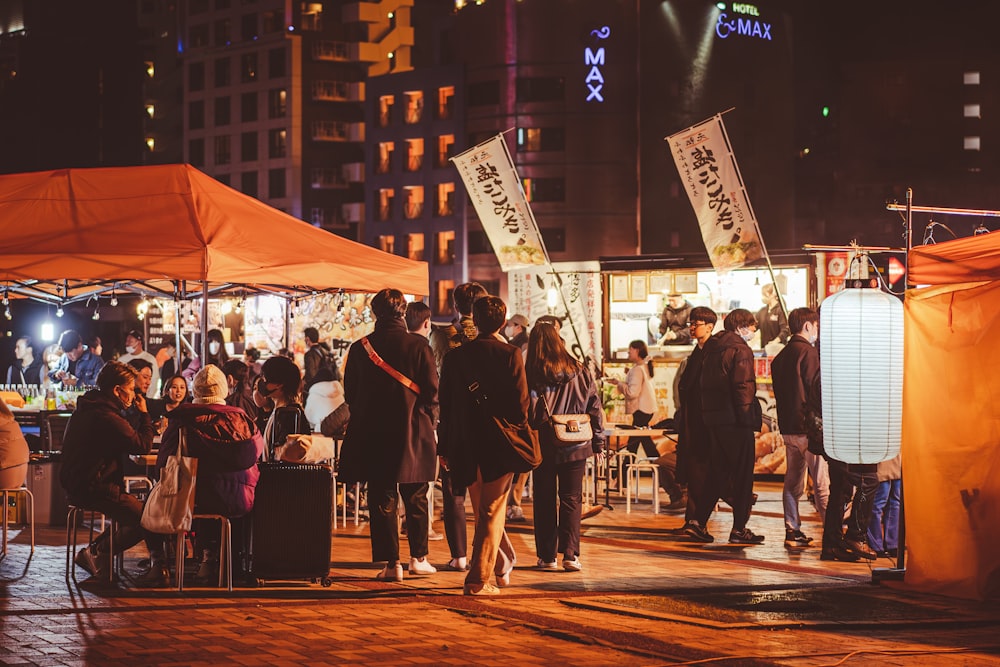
732	414
794	372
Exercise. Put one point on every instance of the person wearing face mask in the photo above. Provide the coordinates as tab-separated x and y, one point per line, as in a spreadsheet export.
793	371
732	414
134	349
516	332
217	355
97	439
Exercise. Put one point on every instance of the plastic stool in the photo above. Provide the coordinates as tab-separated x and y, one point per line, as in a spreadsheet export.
624	459
633	472
74	516
31	515
225	552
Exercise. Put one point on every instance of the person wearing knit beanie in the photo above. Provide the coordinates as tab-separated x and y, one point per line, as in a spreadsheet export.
210	386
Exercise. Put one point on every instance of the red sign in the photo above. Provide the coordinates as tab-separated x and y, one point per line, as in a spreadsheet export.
896	270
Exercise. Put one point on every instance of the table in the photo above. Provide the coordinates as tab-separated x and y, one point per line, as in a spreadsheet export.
618	433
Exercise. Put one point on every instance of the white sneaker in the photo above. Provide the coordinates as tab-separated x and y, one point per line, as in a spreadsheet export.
421	566
434	536
460	564
573	565
545	565
391	573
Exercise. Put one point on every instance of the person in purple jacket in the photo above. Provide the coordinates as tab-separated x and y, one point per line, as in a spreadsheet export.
227	444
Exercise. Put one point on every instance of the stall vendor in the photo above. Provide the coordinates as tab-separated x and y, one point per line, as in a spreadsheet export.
674	321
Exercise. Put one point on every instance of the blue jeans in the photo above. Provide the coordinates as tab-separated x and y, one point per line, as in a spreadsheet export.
798	460
883	529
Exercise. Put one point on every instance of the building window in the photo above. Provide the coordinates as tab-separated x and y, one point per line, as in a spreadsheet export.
445	204
196	152
971	143
223	32
272	21
971	78
446	102
479	243
384	108
541	89
383	203
445	248
385	149
276	63
198	36
276	183
541	139
317	217
972	111
415	247
196	76
446	142
248	183
387	243
248	146
223	178
223	153
248	107
414	202
545	189
476	138
248	27
414	154
277	144
196	115
222	69
312	16
222	111
442	297
484	93
248	67
277	103
198	7
554	239
414	106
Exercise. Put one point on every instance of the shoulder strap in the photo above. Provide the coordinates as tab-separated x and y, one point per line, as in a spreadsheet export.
381	363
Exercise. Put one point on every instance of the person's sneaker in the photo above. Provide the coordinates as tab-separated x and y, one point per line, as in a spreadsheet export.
208	572
839	552
695	531
391	573
458	564
434	536
157	576
85	559
591	510
543	564
421	566
745	536
796	539
486	589
573	564
503	580
861	549
515	514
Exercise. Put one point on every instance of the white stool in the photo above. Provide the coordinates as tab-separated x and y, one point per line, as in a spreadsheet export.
633	472
623	459
31	515
225	552
357	502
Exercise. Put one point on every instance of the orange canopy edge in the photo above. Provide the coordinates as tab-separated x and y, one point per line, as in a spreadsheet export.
157	225
968	259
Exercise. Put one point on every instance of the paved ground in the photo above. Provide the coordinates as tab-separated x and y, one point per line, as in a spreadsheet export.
643	598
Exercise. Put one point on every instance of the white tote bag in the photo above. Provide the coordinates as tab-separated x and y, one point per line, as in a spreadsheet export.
170	505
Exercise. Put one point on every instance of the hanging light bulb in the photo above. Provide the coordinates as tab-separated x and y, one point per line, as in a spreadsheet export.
114	299
59	311
238	308
97	313
6	313
227	307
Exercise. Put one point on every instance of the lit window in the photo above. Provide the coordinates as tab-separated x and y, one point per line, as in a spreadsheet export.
445	200
415	247
971	143
445	248
385	197
445	143
384	107
414	202
414	106
971	78
972	111
387	244
385	149
414	154
446	95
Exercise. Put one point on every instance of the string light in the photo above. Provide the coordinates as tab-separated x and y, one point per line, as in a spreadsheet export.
59	311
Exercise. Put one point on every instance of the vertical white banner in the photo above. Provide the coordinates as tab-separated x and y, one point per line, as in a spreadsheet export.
495	189
579	307
713	183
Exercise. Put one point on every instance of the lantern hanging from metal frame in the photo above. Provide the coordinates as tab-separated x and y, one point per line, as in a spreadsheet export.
861	364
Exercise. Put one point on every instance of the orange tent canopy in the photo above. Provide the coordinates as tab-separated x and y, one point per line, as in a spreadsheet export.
968	259
158	225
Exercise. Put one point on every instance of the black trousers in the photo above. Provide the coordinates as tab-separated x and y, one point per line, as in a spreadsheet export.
383	512
126	510
453	515
846	481
558	528
696	469
730	473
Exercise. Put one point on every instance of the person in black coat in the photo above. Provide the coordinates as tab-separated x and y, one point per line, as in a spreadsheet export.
731	412
472	458
391	386
96	442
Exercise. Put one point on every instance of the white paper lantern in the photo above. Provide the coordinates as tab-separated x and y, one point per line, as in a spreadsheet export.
861	362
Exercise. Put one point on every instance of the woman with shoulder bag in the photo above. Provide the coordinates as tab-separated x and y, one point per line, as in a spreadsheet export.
281	381
562	391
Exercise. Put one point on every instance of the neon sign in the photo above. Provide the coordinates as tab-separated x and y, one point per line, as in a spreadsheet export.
594	59
744	27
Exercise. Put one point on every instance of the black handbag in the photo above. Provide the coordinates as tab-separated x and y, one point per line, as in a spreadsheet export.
523	453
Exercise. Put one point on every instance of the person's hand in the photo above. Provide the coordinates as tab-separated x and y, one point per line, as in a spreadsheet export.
59	375
140	402
670	335
599	458
444	464
70	380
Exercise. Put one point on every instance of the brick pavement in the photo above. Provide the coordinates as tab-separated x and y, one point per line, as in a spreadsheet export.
643	598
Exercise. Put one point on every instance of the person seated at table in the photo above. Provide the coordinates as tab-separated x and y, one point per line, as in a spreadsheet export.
240	391
97	440
26	369
227	444
174	393
14	453
325	396
142	383
282	383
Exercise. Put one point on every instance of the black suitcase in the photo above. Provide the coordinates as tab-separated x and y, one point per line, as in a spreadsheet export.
291	522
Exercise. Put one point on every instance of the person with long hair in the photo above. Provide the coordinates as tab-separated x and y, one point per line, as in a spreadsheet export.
174	393
640	398
560	384
281	382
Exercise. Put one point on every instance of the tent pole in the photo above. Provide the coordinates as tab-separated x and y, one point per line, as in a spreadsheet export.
204	323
